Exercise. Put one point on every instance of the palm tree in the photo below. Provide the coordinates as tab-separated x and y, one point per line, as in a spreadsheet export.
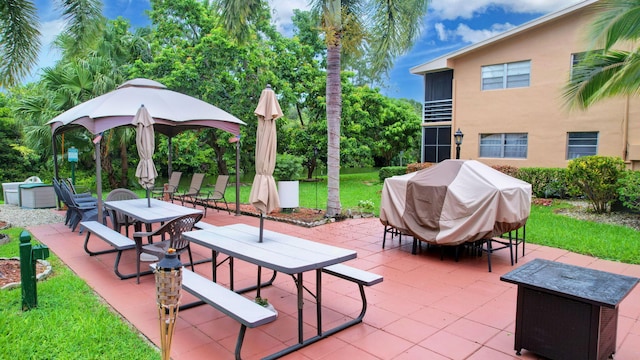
383	29
607	72
19	34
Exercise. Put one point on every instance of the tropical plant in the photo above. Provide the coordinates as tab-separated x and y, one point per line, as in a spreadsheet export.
288	167
374	29
629	189
607	71
597	177
19	34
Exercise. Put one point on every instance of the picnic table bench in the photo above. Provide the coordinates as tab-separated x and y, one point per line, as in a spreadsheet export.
118	241
245	311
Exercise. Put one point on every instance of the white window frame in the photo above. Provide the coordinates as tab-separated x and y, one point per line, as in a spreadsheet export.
504	145
583	143
506	76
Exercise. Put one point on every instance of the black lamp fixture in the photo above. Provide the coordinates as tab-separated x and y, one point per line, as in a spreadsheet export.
457	136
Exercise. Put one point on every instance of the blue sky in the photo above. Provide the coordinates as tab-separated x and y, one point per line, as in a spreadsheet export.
448	26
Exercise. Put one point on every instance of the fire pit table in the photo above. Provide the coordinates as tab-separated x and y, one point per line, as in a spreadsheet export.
567	312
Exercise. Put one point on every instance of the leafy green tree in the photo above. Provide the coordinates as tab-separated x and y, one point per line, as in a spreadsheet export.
386	28
16	158
75	80
607	71
19	34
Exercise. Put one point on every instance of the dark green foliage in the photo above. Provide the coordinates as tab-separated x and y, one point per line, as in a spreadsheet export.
629	189
597	177
390	171
288	167
547	182
17	161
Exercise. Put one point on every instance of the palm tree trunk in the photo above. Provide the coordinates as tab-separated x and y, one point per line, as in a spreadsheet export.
334	111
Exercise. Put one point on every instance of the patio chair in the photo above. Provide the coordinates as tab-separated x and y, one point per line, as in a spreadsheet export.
216	195
172	231
169	189
119	219
59	187
79	211
194	189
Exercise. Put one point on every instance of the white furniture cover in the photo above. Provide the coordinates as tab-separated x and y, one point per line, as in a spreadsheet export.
455	201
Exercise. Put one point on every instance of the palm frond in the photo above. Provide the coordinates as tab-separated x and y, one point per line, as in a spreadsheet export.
85	23
617	21
19	40
598	76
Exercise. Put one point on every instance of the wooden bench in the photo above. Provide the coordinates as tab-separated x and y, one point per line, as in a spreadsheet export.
362	278
118	241
245	311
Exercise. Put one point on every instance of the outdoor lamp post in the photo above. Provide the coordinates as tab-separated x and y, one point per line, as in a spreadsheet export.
168	275
457	136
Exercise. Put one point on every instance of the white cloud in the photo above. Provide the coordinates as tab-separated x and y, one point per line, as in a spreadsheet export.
453	9
473	36
283	11
441	31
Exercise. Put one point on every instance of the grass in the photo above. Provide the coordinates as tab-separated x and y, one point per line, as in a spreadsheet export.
604	241
313	194
71	322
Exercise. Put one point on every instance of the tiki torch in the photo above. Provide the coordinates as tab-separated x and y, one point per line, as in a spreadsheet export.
168	275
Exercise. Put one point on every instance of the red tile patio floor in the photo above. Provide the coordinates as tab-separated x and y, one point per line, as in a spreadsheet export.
425	308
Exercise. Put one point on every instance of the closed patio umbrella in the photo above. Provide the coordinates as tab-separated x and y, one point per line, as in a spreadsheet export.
264	194
145	141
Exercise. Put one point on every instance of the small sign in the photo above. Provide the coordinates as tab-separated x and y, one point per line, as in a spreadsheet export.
72	155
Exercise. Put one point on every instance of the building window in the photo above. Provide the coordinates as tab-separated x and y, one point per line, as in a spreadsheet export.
581	144
506	76
437	143
504	145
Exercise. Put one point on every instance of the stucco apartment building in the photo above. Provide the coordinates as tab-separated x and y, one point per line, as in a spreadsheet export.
506	96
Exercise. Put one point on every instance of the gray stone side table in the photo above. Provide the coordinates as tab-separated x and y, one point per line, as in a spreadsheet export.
566	311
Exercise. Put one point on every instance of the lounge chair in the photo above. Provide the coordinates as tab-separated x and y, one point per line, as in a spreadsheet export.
216	195
170	189
194	189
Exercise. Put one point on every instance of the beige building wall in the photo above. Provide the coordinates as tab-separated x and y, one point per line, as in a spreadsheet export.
539	110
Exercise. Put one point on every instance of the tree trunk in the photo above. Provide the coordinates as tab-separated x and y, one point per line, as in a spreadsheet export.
334	111
124	166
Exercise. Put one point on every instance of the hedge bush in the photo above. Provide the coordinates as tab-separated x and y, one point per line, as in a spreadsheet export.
390	171
597	177
547	182
629	189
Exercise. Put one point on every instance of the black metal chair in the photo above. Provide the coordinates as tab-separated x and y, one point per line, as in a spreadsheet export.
118	220
172	232
79	211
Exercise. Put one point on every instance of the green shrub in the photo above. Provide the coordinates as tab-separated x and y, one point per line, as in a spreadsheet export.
390	171
288	167
629	189
597	177
547	182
